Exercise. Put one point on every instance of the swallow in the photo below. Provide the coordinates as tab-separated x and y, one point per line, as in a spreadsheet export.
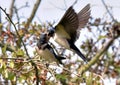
66	32
47	51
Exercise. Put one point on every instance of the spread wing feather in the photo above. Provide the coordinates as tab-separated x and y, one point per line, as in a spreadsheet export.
84	15
70	22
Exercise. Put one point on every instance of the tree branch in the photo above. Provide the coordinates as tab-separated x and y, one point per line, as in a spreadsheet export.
33	64
108	11
11	12
97	56
17	15
33	13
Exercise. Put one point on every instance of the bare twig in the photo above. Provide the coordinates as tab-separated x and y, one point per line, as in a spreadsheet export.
17	15
101	52
57	6
108	10
11	58
52	73
16	31
33	13
65	3
65	69
26	5
97	75
11	12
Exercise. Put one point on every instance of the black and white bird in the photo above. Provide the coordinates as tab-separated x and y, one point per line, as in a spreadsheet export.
66	32
46	51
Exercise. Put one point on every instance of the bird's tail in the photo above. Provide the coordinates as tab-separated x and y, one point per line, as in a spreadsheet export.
59	58
79	53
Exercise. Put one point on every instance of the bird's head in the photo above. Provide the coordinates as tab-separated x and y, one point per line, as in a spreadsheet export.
51	32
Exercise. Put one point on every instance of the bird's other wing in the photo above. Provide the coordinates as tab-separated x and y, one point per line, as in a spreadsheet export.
69	24
84	15
56	56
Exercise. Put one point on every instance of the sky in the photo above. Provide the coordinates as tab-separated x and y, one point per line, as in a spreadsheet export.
53	10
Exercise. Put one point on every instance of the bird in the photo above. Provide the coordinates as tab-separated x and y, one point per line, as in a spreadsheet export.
65	33
46	50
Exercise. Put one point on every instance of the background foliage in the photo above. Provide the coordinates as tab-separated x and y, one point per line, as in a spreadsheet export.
101	46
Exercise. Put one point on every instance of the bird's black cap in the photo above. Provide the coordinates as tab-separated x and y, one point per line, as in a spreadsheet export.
51	31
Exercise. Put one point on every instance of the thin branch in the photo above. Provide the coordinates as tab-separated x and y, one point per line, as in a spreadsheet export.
101	52
65	69
16	31
11	58
26	5
11	12
97	75
33	64
57	6
17	15
108	10
33	13
65	3
11	8
52	73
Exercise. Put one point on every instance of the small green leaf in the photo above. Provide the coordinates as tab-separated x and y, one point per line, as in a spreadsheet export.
6	73
20	53
11	64
1	25
1	69
11	75
101	37
60	76
117	69
21	78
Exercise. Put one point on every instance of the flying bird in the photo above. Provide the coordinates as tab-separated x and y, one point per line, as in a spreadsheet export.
46	51
66	32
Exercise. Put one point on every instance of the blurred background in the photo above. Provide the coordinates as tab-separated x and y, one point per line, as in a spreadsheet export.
99	41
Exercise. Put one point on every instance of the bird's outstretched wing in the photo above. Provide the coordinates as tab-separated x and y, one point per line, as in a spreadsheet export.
71	21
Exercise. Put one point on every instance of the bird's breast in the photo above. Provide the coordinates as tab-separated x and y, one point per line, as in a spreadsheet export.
47	55
61	41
